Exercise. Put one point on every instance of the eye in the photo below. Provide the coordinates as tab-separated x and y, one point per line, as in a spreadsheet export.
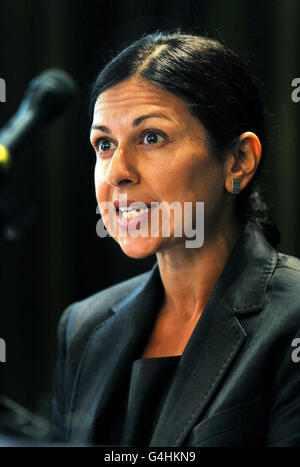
104	145
152	137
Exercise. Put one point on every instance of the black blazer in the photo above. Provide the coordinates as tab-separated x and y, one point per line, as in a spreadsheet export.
236	384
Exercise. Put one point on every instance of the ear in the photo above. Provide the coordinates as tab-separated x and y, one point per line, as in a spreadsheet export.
242	162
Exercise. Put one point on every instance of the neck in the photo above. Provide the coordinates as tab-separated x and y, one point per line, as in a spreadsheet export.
189	275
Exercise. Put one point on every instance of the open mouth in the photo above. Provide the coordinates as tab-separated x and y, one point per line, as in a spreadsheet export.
132	212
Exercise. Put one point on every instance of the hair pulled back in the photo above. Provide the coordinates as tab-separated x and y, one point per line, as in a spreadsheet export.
217	87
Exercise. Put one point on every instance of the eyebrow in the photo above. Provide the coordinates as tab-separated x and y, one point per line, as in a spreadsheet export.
135	123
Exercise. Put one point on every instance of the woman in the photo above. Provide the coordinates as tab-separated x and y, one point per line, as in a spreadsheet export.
197	351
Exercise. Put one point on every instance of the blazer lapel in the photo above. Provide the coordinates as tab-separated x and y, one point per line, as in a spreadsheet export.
218	337
106	363
216	341
214	344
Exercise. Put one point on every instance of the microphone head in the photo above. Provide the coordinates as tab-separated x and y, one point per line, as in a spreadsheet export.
46	97
49	93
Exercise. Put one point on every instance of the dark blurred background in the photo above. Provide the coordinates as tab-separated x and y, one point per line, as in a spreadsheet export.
60	259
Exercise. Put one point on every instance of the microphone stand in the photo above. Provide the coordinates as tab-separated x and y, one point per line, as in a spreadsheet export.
16	217
46	97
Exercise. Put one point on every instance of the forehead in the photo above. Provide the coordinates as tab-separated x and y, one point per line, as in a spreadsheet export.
135	95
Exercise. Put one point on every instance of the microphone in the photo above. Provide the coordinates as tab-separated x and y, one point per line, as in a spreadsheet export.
46	97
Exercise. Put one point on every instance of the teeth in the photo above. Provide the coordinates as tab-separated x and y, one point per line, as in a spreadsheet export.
129	208
129	214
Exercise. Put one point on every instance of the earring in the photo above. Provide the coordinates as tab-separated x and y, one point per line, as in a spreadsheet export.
235	188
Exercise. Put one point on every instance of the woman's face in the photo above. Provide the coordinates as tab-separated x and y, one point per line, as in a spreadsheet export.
151	149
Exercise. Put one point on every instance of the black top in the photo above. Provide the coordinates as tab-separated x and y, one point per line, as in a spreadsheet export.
237	383
149	384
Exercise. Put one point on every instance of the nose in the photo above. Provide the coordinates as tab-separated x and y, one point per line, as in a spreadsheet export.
119	172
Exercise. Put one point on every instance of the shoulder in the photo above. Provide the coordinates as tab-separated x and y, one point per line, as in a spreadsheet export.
289	262
281	310
286	277
81	317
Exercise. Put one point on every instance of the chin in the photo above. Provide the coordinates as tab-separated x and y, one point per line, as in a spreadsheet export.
139	247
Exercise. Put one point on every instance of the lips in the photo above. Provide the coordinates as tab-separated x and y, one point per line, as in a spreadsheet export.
127	203
131	214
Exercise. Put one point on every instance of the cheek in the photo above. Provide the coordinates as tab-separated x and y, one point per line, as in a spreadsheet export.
204	175
101	187
191	176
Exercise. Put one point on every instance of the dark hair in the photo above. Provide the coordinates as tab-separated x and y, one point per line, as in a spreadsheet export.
218	89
